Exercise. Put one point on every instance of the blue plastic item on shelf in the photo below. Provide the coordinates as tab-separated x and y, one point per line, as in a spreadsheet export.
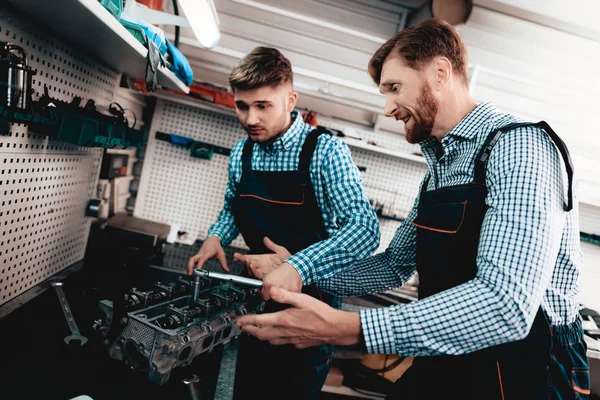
181	140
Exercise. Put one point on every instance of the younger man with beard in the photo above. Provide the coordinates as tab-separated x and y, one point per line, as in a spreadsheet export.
493	235
291	186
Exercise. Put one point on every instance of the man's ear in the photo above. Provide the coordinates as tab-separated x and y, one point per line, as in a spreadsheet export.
292	99
443	71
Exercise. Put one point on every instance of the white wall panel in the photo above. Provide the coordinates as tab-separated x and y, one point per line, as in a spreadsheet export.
301	26
373	20
578	17
540	73
589	283
176	188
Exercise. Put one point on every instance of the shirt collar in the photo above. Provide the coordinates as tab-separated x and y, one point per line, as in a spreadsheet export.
467	128
290	136
472	123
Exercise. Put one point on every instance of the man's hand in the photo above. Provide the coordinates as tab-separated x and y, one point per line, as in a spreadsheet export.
309	323
285	277
259	265
211	248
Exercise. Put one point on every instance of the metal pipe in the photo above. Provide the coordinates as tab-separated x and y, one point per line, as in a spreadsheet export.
226	379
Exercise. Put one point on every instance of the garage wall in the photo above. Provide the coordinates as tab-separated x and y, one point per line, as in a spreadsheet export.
521	64
529	69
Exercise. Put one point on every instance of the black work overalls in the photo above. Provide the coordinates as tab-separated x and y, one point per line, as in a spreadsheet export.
550	363
282	206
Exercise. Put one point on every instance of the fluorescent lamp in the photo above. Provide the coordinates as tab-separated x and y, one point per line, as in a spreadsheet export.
201	16
203	20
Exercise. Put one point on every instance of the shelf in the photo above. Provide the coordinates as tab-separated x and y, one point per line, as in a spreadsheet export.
591	203
377	149
190	101
89	26
229	111
411	157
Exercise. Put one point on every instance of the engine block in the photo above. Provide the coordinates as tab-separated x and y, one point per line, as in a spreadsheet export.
166	327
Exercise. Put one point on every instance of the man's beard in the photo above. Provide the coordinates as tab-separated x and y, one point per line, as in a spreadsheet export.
426	113
272	132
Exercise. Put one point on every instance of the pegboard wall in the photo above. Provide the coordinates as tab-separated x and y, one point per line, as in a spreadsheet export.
45	184
176	258
65	71
388	180
178	189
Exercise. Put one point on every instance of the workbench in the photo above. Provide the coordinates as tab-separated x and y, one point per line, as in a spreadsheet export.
39	364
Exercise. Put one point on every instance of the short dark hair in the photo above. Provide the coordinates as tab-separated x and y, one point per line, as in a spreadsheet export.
263	66
421	43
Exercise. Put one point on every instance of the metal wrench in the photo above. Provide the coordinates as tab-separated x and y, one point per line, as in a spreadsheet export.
192	383
75	334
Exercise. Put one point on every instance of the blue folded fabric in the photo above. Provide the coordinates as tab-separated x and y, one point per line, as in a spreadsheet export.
180	65
153	33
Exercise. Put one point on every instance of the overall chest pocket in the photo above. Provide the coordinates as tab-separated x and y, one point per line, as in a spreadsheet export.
442	217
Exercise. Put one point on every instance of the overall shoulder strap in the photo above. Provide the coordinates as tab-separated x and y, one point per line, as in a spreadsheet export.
426	182
494	136
309	147
247	155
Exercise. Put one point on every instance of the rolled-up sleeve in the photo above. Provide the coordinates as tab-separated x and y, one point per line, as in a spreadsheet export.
358	234
387	270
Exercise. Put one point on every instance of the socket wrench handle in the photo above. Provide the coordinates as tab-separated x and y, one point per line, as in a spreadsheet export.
240	280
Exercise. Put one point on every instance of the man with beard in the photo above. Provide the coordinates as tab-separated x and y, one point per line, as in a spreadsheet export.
493	236
291	186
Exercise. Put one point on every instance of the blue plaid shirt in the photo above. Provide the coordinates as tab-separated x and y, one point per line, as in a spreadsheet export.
529	250
349	219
